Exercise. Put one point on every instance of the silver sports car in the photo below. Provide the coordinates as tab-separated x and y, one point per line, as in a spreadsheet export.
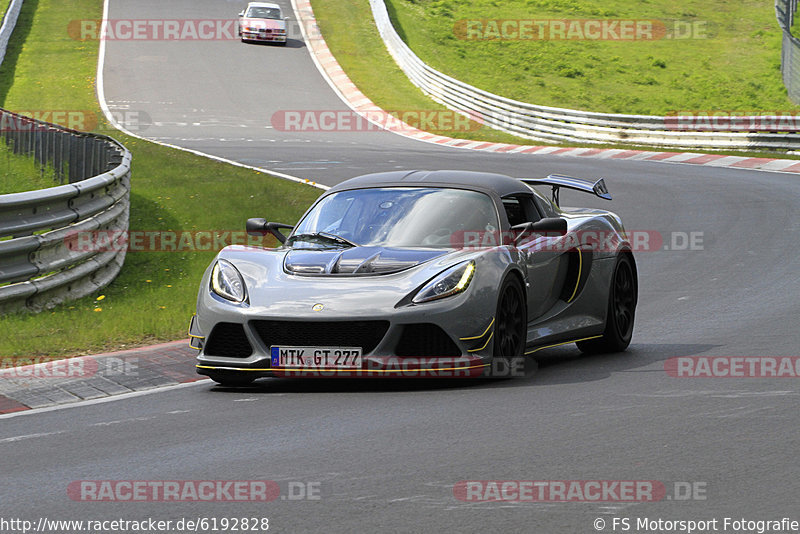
417	273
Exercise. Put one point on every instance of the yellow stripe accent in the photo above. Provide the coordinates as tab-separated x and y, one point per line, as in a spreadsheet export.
484	345
342	370
578	281
480	336
562	343
189	330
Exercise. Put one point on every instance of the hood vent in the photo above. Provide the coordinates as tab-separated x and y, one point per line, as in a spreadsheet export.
357	260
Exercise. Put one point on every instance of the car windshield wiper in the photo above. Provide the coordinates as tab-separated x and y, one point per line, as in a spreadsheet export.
323	236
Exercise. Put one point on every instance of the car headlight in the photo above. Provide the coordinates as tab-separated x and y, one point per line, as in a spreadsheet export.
450	282
227	282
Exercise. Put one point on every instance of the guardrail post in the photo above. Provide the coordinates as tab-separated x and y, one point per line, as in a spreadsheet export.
74	171
82	151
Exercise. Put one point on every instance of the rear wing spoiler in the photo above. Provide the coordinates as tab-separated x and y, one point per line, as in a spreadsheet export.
557	181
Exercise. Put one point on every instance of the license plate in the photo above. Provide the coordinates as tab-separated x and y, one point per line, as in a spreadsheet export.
316	357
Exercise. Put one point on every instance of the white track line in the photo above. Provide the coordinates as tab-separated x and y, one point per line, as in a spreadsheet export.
101	98
103	400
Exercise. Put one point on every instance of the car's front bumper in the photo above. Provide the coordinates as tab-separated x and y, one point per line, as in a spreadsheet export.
374	367
438	340
260	36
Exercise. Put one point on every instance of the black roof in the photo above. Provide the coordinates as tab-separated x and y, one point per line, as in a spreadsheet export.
499	183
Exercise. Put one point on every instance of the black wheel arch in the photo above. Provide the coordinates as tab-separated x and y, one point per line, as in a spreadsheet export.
629	253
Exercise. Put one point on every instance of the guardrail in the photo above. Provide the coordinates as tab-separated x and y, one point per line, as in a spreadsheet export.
790	49
550	124
40	262
7	28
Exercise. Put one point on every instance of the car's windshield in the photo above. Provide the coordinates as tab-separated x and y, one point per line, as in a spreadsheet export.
400	217
264	13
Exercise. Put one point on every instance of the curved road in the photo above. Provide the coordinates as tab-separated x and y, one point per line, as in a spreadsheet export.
387	454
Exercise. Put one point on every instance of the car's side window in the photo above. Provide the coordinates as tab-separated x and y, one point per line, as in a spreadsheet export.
520	209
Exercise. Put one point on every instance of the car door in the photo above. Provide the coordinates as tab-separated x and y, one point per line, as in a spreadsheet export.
541	257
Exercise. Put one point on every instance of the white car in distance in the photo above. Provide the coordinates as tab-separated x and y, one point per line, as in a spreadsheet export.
263	22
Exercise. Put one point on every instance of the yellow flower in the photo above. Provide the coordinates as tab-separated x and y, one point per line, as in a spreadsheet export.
148	281
98	309
101	297
169	285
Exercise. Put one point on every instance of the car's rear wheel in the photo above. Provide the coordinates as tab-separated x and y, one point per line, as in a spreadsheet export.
231	379
621	313
510	329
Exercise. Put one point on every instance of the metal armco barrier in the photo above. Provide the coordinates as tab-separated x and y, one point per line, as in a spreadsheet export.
40	264
790	49
7	28
549	124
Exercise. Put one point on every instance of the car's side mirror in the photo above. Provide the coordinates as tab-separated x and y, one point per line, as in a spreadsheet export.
259	227
286	19
241	14
550	226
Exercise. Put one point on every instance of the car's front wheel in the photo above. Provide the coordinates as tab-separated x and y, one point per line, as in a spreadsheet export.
510	329
622	298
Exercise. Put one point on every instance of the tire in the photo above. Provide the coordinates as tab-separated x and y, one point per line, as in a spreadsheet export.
622	298
510	328
231	379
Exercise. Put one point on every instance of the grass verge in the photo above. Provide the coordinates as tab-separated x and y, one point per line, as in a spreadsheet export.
728	58
362	54
360	51
154	296
20	173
